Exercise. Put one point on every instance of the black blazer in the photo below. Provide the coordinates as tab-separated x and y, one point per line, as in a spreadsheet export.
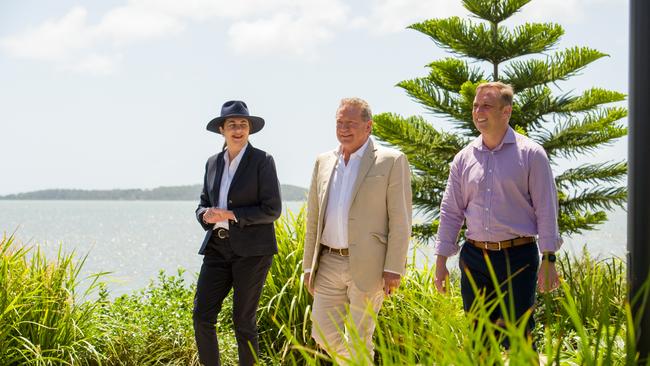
254	197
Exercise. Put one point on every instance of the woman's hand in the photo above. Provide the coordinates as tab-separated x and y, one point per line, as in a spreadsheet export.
213	215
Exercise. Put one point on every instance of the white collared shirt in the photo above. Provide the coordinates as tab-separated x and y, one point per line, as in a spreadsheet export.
229	169
335	232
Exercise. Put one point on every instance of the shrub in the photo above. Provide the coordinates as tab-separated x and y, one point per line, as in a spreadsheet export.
43	321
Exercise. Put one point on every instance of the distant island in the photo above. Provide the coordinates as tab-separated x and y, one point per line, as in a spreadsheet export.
173	193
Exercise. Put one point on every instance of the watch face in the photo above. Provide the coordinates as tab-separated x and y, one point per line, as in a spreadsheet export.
550	257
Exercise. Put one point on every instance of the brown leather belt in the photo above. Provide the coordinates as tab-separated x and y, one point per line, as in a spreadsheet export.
504	244
344	252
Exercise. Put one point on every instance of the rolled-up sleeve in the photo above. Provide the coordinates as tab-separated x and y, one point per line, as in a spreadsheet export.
543	194
452	213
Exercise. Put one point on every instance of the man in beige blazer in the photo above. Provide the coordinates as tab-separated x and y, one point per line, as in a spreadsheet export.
358	230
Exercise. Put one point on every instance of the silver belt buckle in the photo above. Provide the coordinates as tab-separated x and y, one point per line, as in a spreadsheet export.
499	245
222	233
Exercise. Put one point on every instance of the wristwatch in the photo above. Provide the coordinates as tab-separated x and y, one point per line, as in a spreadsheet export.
549	257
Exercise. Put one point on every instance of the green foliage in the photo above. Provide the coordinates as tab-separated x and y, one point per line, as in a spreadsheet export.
488	41
566	125
285	303
494	11
560	66
43	321
586	322
152	326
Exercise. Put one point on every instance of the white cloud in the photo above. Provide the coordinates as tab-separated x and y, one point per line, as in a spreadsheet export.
131	23
295	26
389	16
52	40
561	11
72	43
205	9
298	30
555	10
97	64
281	33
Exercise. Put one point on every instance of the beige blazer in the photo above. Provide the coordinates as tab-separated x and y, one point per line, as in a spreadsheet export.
379	225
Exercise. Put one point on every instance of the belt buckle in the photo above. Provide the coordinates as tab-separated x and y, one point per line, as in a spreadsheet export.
499	245
222	233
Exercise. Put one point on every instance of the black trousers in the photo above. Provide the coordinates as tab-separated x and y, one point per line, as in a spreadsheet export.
222	270
515	268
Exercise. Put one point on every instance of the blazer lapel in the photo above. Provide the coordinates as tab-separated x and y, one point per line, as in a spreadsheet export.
216	185
328	171
241	167
367	160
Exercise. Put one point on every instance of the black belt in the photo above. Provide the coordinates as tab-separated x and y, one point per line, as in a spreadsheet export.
221	233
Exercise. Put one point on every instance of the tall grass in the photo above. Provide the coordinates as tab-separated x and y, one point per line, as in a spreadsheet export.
285	303
152	326
43	321
587	321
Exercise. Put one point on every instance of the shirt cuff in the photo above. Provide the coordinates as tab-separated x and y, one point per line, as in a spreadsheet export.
547	244
201	214
389	271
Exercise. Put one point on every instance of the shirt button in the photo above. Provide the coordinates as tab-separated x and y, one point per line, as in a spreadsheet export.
486	209
490	171
488	189
486	229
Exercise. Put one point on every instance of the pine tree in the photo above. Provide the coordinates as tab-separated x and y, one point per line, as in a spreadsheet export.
566	125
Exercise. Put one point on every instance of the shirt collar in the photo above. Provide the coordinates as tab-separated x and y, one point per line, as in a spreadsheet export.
357	154
237	158
508	138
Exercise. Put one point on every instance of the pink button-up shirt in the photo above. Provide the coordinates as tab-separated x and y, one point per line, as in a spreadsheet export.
502	194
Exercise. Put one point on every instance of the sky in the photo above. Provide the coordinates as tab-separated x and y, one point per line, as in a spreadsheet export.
116	93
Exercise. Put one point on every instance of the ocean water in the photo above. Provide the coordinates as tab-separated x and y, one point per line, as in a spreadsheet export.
134	240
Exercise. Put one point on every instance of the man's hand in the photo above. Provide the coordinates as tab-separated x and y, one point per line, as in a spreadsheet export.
307	282
442	274
547	277
391	282
213	215
442	278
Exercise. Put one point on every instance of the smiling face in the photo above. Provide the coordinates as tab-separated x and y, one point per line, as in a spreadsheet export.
490	113
351	129
235	131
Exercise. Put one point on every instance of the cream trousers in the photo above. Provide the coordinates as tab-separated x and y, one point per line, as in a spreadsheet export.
343	315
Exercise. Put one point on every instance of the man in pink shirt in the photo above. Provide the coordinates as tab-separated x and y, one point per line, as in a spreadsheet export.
501	185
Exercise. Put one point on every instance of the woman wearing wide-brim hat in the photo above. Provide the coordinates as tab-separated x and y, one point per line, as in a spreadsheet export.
239	203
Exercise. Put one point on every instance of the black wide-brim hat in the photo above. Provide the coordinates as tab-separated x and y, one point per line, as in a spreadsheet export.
235	109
